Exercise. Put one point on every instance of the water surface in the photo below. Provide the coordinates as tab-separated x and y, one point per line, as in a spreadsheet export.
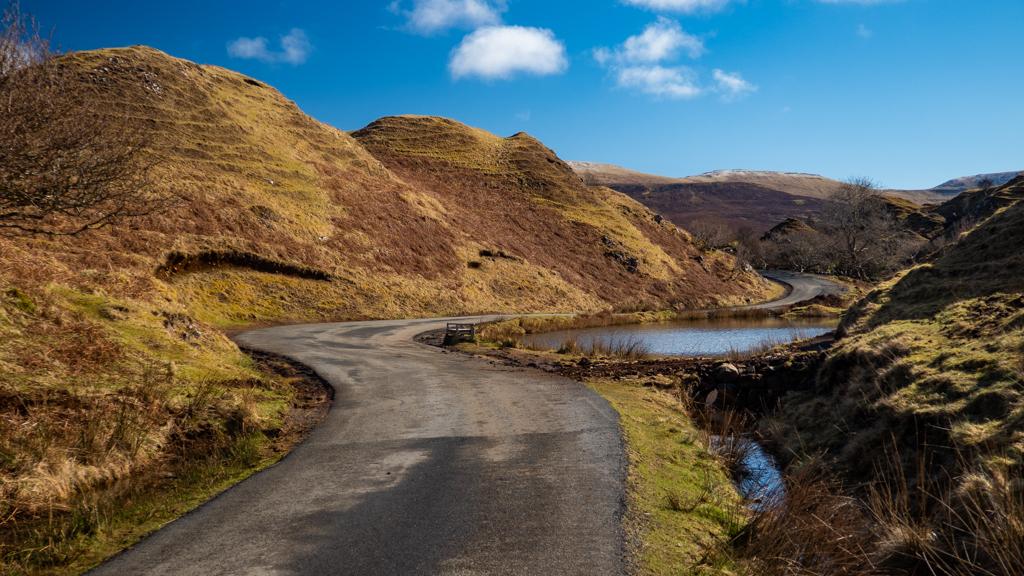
691	337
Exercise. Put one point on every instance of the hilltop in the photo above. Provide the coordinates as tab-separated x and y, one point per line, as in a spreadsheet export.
750	201
958	185
260	180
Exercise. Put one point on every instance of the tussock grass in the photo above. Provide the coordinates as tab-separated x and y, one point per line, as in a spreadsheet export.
972	526
103	398
627	348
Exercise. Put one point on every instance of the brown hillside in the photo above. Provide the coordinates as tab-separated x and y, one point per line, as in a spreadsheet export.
516	196
741	198
973	206
932	359
259	178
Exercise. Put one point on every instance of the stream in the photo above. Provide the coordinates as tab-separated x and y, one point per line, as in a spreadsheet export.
760	481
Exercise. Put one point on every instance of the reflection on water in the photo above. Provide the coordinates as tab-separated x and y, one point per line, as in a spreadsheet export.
761	484
691	337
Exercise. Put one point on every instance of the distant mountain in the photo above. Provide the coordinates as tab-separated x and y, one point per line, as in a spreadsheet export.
751	198
958	185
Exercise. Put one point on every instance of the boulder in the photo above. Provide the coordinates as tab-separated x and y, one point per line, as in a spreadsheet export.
727	371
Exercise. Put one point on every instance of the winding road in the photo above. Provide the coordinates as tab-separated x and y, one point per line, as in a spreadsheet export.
428	463
802	287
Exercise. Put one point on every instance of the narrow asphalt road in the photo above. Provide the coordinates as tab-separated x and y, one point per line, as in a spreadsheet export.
802	287
428	463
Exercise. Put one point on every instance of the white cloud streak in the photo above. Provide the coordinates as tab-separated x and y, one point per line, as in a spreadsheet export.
294	48
683	6
731	85
433	16
678	83
502	52
638	63
660	41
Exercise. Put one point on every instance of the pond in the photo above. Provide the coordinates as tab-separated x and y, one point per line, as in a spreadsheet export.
717	337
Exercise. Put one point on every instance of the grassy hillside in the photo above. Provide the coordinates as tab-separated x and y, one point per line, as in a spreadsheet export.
260	180
515	198
116	381
932	362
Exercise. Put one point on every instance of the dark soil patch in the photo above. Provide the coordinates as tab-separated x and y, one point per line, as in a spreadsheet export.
313	397
181	263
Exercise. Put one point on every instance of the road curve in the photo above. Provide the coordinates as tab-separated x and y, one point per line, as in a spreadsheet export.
802	287
428	463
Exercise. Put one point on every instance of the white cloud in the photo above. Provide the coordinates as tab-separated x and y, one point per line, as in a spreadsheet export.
432	16
864	32
661	40
495	52
295	48
861	2
731	85
676	83
637	63
684	6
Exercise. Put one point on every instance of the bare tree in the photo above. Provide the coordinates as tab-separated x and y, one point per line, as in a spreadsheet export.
67	163
802	250
708	235
864	235
748	247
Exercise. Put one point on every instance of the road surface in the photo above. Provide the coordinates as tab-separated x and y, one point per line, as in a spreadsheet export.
428	463
802	287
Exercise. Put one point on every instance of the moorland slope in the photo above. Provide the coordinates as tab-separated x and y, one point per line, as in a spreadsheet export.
760	200
931	361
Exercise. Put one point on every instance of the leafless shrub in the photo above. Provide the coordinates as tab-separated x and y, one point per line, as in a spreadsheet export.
857	235
709	235
67	163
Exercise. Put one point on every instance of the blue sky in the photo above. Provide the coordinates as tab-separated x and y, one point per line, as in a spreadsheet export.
910	92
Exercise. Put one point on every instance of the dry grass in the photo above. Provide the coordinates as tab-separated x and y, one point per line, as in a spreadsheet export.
973	527
628	348
99	395
919	410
